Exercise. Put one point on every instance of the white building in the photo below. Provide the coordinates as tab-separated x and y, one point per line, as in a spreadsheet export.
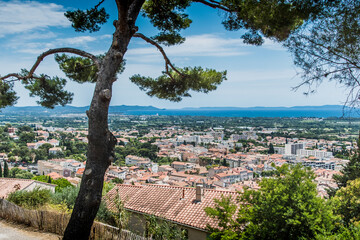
316	153
292	148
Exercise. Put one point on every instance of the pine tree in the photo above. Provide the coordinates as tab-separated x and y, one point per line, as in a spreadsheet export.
6	169
259	19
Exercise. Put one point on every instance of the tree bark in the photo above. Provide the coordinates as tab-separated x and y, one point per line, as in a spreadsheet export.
101	140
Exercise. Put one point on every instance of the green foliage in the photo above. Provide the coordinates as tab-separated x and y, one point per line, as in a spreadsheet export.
159	229
272	19
117	181
343	233
25	128
285	207
30	199
7	94
271	149
46	146
169	18
80	69
41	178
166	160
6	169
169	39
88	20
50	90
346	202
224	211
27	137
67	195
107	187
328	49
175	86
105	215
119	217
60	183
18	173
136	148
351	171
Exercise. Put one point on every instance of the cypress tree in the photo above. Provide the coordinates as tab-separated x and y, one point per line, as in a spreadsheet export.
49	180
0	171
6	169
271	149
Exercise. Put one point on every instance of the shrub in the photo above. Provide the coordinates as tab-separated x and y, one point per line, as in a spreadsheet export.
30	199
60	183
67	195
105	215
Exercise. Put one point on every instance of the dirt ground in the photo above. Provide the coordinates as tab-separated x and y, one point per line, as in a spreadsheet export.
11	231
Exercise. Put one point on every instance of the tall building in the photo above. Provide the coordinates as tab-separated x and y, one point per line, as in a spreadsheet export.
292	148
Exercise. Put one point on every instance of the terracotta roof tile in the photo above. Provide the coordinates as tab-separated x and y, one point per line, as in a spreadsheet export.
9	185
167	202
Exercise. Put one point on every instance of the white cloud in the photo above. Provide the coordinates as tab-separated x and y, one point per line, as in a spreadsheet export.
37	35
272	45
210	45
76	40
23	46
24	16
198	45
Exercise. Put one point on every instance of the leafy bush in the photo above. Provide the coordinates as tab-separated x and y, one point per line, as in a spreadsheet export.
105	215
285	207
30	199
60	183
67	195
344	233
159	229
19	173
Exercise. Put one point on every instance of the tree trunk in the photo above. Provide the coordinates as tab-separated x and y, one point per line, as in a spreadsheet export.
101	143
101	140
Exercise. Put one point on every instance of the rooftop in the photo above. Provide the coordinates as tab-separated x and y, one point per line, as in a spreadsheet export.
176	204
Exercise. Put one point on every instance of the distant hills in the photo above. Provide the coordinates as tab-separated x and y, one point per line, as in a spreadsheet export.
296	111
259	108
58	110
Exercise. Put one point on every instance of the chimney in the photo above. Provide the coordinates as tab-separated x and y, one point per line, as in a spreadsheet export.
199	192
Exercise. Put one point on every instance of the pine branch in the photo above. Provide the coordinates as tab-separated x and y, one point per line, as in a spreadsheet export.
50	52
213	4
97	5
167	60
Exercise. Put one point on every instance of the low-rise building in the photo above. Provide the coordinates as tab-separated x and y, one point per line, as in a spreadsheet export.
9	185
135	160
180	205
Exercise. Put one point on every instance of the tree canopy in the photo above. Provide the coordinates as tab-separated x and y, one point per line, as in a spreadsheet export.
346	202
285	207
329	49
351	171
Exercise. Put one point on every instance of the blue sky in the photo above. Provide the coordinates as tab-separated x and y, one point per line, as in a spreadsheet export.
257	76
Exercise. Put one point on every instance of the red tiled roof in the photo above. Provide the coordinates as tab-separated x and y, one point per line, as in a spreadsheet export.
167	202
54	175
9	185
